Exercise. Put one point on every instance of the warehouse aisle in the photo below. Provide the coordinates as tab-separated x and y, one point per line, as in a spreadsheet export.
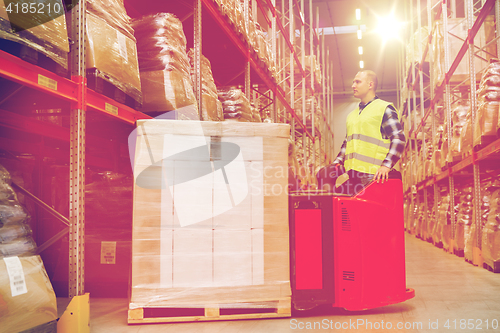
451	296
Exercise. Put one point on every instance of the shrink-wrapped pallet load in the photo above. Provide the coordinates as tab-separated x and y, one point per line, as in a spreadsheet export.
210	224
111	46
15	232
471	242
491	234
43	31
211	106
26	294
488	94
457	33
444	218
235	105
464	219
459	118
262	45
164	66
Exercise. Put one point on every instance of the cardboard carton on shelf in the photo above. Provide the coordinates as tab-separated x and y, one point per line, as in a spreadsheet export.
20	309
112	56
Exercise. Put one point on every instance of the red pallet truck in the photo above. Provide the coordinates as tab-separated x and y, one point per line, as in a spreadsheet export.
348	251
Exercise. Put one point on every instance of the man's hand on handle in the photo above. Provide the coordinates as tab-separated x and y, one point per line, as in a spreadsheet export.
382	174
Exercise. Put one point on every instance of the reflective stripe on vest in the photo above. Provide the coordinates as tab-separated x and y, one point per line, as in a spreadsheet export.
369	139
366	149
364	158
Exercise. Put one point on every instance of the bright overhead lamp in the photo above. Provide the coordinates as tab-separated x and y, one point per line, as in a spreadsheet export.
360	49
388	27
358	14
359	34
361	64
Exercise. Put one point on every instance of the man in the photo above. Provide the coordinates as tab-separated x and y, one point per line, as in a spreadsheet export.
374	139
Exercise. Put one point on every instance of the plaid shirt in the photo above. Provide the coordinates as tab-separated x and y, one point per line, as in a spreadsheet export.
390	129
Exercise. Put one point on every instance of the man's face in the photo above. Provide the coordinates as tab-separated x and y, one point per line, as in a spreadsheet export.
361	85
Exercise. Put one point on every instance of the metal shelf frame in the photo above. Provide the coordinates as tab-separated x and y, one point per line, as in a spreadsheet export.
443	96
316	140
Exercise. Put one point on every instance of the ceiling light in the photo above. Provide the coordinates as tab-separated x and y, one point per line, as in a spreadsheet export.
361	64
358	14
359	34
360	49
388	27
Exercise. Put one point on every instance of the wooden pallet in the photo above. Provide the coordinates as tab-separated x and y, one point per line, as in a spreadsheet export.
494	267
102	83
485	140
459	252
33	56
467	154
254	310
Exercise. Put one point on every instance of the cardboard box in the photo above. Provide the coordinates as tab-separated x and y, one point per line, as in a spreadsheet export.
165	90
36	306
112	53
220	236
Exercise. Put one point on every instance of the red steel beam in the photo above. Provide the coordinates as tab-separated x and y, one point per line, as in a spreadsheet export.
32	76
261	6
98	102
300	12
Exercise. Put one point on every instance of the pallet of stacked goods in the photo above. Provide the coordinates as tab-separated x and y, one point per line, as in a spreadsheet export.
490	240
164	67
211	106
487	189
434	237
235	105
112	65
40	38
444	217
431	218
311	103
459	121
457	32
210	222
486	122
464	219
27	300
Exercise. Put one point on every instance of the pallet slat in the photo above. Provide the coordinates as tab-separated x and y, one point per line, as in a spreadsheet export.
211	312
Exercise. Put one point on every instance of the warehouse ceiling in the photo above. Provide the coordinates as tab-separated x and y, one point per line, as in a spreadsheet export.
378	55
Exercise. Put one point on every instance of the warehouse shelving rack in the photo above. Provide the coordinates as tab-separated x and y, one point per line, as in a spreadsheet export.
72	94
441	97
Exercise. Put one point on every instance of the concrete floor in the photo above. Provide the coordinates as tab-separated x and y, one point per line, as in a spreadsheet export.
451	296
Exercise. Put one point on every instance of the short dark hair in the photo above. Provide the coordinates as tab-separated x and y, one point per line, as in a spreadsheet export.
372	77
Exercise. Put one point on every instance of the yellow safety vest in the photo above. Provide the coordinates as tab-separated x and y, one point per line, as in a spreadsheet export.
366	149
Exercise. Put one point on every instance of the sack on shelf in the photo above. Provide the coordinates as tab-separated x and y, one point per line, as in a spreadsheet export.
491	232
114	13
26	295
208	89
50	38
164	65
235	105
